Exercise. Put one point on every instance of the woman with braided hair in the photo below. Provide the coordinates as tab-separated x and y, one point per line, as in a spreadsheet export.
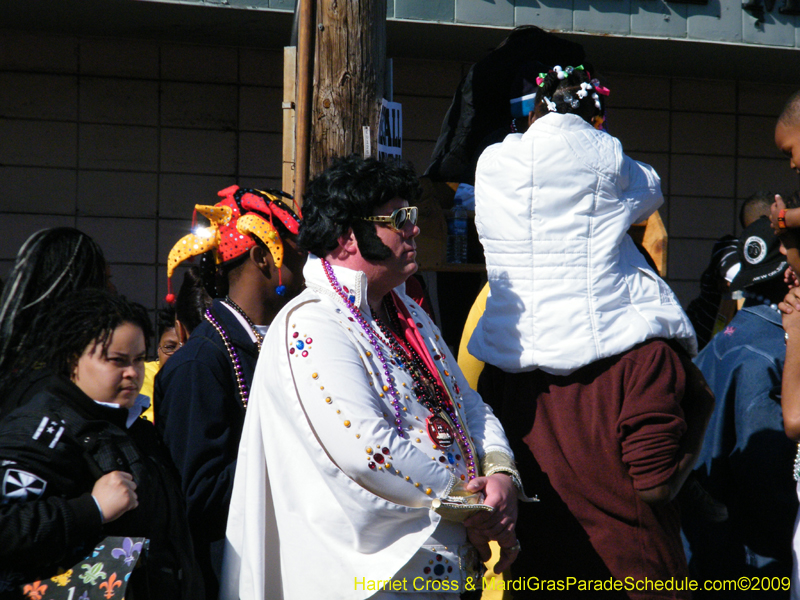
50	265
589	348
78	465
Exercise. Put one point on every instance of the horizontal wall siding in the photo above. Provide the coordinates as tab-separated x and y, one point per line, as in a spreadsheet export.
121	138
131	134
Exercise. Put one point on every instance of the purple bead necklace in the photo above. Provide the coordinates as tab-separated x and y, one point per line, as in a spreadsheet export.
373	340
244	393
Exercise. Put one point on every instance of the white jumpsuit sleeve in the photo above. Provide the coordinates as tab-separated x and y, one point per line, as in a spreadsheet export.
348	410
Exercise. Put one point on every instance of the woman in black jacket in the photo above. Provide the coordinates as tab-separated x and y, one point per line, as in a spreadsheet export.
77	465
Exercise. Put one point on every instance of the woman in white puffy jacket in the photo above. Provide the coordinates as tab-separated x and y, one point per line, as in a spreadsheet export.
587	349
553	207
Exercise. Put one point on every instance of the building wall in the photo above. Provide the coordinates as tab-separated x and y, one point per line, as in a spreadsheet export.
712	143
121	138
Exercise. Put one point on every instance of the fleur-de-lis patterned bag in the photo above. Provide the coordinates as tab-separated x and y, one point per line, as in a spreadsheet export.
103	575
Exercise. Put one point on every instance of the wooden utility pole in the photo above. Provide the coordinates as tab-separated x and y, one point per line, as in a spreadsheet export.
303	69
349	64
289	105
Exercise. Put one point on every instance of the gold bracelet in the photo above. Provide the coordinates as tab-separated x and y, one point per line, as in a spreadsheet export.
500	462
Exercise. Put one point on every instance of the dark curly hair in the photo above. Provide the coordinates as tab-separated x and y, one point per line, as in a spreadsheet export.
564	93
88	317
790	115
351	188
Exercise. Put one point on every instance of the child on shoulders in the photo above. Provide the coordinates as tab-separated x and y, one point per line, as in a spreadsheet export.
553	207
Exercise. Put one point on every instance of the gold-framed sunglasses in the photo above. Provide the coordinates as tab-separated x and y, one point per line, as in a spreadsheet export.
398	219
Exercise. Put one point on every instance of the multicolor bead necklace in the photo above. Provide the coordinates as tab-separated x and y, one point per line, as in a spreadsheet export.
244	393
389	387
425	388
373	340
238	309
429	393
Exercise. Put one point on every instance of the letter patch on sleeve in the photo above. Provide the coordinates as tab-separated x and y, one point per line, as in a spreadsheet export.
49	432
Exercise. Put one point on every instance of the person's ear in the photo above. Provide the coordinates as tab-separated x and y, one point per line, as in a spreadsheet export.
348	244
73	368
181	331
262	258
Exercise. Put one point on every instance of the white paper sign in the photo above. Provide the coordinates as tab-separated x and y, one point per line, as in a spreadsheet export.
367	141
390	130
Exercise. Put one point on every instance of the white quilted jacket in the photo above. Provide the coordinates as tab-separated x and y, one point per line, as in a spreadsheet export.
568	285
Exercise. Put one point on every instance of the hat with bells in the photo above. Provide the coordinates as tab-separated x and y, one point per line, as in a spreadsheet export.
240	215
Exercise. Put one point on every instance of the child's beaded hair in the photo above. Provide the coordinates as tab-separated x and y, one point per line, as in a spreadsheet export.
571	90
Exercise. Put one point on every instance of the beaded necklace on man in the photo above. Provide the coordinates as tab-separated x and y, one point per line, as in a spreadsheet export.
428	392
748	295
429	401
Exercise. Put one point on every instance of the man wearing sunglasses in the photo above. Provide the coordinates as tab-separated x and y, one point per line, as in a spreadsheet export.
397	220
383	467
396	231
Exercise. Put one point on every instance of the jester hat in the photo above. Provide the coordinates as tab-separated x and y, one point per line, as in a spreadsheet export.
240	215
